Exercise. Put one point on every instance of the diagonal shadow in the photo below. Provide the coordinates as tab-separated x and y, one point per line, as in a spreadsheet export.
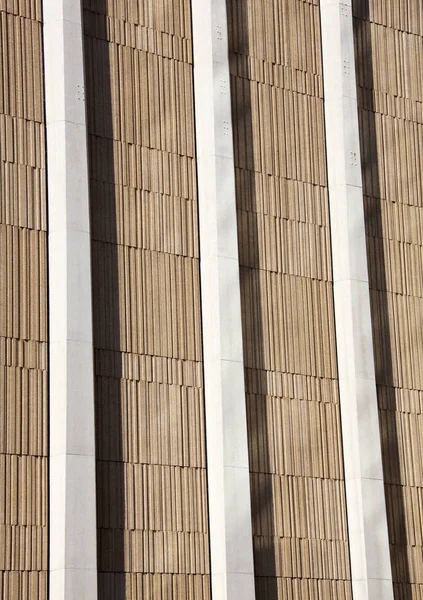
110	482
382	332
262	508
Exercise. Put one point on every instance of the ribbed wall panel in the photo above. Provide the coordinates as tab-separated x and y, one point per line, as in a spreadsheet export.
151	477
23	307
298	498
389	57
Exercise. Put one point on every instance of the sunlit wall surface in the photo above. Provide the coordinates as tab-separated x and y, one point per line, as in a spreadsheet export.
151	480
23	307
298	499
389	65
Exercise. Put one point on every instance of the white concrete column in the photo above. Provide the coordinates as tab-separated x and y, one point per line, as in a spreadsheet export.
73	551
366	509
232	568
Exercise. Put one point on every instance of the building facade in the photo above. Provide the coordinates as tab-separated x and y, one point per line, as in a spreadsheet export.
211	300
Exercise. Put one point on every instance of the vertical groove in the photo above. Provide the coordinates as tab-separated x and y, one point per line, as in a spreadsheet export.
151	472
296	461
23	307
389	61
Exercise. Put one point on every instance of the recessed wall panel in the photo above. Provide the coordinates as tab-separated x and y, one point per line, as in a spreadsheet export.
151	478
298	498
23	307
389	63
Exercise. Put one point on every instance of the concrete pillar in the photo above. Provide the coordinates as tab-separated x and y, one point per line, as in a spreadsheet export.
367	522
232	569
73	552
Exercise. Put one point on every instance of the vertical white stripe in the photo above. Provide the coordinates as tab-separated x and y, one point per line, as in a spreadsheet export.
367	522
73	552
232	566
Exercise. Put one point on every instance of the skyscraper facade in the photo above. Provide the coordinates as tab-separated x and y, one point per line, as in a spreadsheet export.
211	300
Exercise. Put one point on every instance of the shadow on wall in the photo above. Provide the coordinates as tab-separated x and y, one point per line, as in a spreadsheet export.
378	263
263	524
108	370
110	479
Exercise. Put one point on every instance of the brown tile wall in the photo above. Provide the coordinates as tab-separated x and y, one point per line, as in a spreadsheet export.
389	63
23	307
151	476
298	499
